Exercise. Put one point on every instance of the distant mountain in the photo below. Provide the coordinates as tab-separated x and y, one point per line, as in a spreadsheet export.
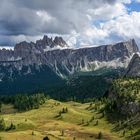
52	60
134	66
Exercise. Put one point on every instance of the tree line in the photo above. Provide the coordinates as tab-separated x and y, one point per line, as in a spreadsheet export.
24	102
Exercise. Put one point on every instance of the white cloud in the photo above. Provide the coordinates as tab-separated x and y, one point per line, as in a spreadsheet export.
27	38
127	26
45	17
108	12
125	1
137	1
95	32
121	28
78	21
7	47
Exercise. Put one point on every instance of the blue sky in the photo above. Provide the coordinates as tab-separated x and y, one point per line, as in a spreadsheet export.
134	6
82	22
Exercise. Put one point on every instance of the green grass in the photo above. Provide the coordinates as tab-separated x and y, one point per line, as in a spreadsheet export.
43	121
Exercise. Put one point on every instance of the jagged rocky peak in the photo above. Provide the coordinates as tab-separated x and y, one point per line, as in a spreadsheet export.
59	41
43	43
134	66
46	41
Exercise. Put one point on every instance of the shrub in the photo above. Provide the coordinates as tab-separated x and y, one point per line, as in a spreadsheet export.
2	124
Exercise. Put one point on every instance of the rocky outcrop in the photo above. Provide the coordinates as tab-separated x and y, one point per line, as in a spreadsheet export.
134	66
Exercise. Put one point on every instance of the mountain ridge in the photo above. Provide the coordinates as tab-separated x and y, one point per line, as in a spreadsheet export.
37	67
64	60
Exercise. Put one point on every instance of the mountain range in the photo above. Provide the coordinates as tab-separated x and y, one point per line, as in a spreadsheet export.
49	62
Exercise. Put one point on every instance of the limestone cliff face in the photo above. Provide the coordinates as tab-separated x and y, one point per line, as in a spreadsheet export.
63	60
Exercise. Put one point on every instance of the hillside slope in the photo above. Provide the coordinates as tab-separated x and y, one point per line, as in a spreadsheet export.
123	105
80	122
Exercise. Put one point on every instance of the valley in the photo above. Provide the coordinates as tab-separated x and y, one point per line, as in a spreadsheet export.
112	117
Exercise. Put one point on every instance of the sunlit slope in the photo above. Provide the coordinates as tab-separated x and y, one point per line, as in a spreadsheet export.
76	121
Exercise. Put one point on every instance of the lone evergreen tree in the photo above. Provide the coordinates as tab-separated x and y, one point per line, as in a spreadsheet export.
46	138
100	135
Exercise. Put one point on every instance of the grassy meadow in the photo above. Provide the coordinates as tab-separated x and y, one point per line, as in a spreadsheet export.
79	122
